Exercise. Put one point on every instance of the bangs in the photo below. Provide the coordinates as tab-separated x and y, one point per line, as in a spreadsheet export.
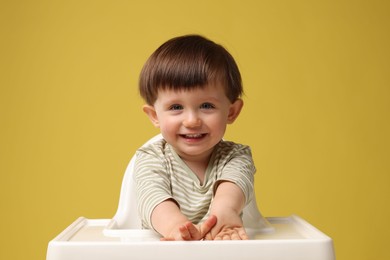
192	62
185	71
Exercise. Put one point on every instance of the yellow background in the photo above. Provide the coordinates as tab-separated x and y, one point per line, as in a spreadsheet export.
317	82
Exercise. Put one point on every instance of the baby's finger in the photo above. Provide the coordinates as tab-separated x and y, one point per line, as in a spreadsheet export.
167	239
242	234
184	232
207	225
193	232
235	236
208	236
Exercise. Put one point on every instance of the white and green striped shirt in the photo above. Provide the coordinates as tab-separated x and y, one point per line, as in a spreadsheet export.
160	174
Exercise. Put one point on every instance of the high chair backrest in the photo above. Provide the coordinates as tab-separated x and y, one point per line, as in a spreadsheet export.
127	217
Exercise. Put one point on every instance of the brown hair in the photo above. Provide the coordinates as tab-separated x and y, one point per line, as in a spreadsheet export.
188	62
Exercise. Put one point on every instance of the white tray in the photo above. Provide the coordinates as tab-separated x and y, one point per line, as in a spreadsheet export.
292	239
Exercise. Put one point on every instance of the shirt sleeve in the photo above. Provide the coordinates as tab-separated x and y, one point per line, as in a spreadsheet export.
240	169
152	184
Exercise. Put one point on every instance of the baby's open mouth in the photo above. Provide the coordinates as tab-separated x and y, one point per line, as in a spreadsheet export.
193	136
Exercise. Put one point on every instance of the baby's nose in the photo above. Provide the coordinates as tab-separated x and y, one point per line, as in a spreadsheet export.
192	120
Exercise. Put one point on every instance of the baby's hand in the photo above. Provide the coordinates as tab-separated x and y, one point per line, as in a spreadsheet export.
229	227
189	231
232	233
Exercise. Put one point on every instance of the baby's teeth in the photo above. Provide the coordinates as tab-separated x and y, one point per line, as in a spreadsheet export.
194	136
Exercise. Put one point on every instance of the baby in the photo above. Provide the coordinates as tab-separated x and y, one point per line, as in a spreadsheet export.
192	184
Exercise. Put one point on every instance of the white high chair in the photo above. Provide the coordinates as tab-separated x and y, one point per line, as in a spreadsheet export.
120	238
126	216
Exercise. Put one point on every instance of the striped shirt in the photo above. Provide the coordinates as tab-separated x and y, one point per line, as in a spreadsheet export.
160	174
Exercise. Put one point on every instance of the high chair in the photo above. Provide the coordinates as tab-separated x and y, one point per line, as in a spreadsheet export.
121	237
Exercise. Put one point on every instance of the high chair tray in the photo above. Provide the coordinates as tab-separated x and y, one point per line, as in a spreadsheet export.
292	239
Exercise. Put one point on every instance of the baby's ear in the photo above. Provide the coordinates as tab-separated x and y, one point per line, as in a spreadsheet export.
151	112
235	110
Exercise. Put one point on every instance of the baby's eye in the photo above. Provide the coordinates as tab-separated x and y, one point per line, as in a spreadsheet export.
207	106
176	107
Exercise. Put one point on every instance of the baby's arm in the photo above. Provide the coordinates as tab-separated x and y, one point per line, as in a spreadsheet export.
168	220
227	206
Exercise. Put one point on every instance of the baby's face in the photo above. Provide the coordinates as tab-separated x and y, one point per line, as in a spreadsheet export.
194	121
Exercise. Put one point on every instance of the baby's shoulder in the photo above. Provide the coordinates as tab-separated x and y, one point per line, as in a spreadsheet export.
157	147
225	146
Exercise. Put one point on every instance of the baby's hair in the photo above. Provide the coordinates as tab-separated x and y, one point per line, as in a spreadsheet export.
189	62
